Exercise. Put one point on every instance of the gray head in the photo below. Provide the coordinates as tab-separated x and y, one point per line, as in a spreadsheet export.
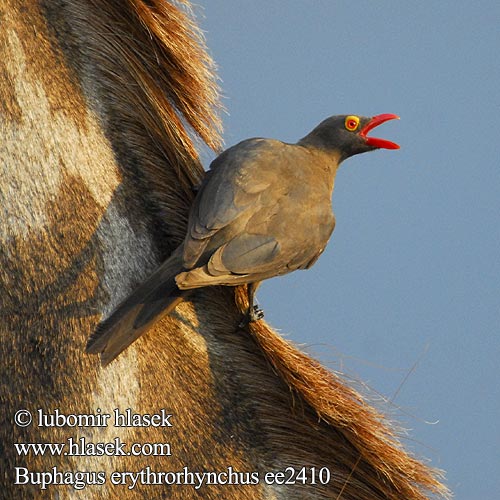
347	135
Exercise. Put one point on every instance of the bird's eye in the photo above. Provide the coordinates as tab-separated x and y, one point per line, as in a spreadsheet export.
351	123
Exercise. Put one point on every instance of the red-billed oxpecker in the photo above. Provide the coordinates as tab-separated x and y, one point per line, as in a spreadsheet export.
263	209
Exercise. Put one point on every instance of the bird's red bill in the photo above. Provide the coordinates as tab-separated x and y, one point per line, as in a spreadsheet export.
375	122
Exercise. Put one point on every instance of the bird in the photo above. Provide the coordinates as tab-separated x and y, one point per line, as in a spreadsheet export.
263	209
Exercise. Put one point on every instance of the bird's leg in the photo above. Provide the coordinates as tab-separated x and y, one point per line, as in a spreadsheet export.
254	313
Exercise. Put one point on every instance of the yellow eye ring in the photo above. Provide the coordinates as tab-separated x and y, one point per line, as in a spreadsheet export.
351	123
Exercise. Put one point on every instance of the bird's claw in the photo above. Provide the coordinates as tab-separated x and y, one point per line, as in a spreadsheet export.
254	314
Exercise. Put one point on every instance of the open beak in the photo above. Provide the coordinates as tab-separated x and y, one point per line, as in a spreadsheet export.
374	141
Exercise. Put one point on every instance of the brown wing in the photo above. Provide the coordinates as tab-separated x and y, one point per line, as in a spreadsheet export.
231	188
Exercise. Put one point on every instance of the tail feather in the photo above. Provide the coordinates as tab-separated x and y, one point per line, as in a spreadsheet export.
161	306
154	298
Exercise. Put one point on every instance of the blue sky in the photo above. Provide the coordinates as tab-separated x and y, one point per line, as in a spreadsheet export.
412	272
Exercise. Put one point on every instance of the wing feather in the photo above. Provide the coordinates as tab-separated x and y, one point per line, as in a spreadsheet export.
232	187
